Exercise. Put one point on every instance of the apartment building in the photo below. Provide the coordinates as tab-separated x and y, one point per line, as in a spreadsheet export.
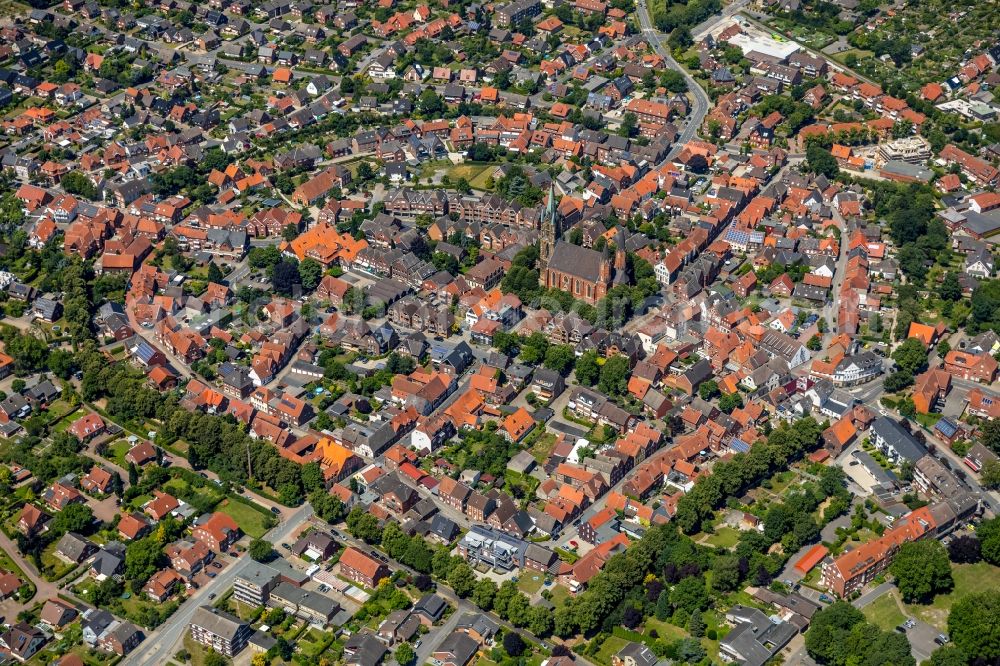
254	585
224	633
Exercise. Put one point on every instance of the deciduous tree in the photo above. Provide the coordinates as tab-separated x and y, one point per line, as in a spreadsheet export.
922	571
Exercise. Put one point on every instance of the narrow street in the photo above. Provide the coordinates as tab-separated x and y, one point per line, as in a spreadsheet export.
44	589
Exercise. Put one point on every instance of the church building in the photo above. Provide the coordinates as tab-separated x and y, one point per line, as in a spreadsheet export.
585	273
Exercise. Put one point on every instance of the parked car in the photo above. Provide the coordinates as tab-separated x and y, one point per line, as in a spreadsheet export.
211	574
211	596
941	639
286	546
217	565
275	510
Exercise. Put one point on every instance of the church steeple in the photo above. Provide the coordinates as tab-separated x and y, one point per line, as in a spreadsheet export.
550	231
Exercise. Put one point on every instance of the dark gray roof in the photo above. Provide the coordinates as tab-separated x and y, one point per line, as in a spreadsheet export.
430	605
577	261
903	442
460	645
218	622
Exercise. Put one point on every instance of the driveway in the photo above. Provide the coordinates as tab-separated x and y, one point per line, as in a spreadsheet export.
433	638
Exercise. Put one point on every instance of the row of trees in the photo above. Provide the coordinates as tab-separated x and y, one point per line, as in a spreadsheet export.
216	442
734	477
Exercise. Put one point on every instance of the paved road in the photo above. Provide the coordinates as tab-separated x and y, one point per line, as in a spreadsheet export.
162	643
45	589
435	638
871	595
699	109
921	635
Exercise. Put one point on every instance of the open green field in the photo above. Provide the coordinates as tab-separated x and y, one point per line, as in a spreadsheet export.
858	53
250	520
664	630
928	420
10	8
7	564
969	579
724	537
479	182
54	568
530	582
116	452
610	647
560	595
542	447
884	612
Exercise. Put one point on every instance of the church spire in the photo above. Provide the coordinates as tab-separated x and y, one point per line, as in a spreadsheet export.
550	232
552	209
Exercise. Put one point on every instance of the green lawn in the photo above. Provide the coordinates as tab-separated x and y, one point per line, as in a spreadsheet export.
7	564
542	447
314	643
530	582
479	182
181	488
53	567
560	595
196	650
116	452
969	578
664	630
859	53
884	612
610	647
724	537
928	420
250	520
63	424
59	409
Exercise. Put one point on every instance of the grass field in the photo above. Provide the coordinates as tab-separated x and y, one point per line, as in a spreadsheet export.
928	420
884	612
560	595
664	630
542	447
608	649
724	537
197	651
466	171
969	578
9	565
859	53
9	8
479	182
250	520
530	582
116	452
52	567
